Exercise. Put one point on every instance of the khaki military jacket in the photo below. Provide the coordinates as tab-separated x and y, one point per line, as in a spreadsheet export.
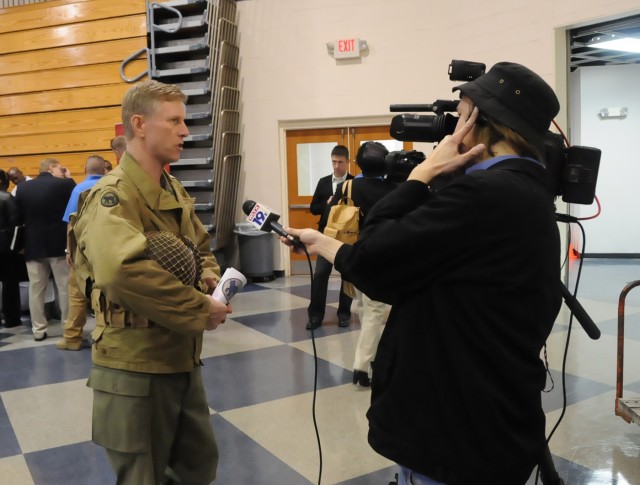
147	320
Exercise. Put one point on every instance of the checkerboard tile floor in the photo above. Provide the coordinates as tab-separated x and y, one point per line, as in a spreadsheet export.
258	373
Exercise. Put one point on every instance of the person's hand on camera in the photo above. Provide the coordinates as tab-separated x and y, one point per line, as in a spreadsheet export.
450	154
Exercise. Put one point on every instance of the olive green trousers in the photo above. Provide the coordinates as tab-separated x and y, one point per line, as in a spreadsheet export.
155	428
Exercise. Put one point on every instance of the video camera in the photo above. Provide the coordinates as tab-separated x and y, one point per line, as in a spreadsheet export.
572	172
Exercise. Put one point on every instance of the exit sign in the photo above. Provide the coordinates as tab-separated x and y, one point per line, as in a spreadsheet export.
346	48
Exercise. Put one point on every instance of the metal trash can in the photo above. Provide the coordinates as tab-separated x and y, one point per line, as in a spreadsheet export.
256	252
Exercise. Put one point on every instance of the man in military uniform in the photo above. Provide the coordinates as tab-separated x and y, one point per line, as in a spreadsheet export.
145	258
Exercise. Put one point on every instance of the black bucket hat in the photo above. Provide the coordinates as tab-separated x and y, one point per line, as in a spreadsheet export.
516	97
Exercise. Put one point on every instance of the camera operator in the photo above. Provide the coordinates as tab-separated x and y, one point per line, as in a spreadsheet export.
473	276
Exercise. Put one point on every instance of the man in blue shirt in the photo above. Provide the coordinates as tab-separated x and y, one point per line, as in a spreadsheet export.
75	322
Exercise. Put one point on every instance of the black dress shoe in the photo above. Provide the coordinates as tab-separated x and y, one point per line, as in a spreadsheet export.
362	378
344	321
13	324
40	339
313	324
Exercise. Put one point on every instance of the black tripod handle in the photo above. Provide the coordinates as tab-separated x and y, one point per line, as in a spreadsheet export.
580	313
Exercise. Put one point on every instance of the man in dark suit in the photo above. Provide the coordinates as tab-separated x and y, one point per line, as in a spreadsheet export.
9	259
41	204
321	199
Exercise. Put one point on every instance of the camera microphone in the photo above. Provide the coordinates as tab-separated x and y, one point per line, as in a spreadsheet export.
263	218
439	106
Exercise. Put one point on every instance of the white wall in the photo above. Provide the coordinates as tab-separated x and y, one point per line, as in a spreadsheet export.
616	229
287	76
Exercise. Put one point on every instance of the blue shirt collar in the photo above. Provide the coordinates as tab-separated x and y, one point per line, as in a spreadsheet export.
492	161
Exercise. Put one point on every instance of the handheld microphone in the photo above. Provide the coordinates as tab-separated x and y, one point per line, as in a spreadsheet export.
266	220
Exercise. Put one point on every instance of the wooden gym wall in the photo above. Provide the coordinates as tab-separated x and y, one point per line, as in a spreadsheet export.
15	3
60	85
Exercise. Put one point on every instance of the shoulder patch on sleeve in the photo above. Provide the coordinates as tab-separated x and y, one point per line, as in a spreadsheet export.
109	199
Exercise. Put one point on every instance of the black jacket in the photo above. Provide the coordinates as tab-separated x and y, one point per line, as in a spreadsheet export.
319	205
473	275
41	205
8	220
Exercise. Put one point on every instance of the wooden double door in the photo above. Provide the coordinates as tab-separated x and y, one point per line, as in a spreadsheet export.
309	159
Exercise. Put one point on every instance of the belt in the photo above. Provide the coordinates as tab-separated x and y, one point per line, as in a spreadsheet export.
109	314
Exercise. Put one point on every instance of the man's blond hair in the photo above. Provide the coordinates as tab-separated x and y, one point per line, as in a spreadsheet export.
119	144
47	163
143	98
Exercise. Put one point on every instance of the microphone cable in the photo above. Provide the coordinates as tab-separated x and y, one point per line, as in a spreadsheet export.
566	347
566	218
315	377
261	216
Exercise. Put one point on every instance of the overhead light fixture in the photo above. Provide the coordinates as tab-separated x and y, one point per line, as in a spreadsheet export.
610	113
612	42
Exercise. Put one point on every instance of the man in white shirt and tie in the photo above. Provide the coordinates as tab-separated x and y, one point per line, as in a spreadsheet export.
321	198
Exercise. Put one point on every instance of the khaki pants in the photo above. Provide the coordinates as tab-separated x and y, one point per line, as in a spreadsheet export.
150	422
39	271
373	316
77	319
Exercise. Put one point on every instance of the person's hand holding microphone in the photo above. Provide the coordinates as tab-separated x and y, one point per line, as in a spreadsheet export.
315	242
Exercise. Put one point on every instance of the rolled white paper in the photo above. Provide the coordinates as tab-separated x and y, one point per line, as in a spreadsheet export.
231	282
